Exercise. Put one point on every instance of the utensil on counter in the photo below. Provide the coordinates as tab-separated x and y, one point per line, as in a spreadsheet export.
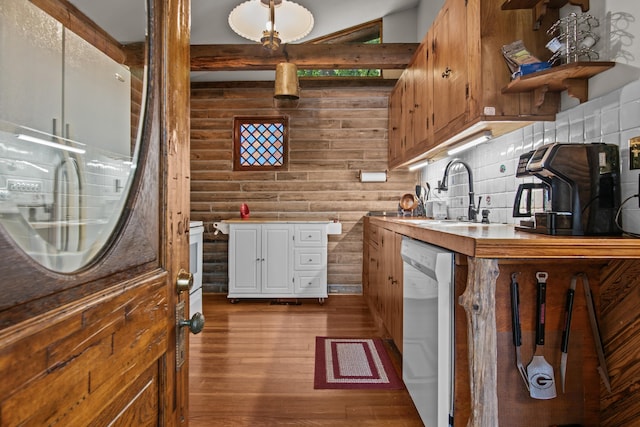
408	202
595	329
539	371
420	193
517	331
564	344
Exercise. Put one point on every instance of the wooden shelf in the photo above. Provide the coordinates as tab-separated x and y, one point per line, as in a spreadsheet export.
555	4
572	77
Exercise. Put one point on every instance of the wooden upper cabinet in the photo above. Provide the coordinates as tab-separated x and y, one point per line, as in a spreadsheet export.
450	65
422	94
396	124
409	103
410	109
461	92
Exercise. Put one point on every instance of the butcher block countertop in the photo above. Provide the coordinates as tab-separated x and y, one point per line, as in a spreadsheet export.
504	241
258	220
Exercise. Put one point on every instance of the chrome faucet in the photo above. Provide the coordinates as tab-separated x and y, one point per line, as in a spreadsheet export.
442	186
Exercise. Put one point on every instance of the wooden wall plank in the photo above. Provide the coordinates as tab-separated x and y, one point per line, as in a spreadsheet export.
620	322
334	133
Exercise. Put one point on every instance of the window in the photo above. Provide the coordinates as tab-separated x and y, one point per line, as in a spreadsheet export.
369	33
260	143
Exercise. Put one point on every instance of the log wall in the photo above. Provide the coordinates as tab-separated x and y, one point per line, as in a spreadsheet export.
333	134
620	320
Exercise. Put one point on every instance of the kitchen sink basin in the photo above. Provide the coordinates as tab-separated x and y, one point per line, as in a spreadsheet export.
446	223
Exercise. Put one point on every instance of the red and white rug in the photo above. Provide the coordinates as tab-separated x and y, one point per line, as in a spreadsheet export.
361	363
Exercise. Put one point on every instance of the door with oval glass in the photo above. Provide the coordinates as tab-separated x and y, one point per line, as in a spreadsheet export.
93	237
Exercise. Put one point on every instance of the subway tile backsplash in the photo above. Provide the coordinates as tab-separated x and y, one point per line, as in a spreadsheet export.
613	118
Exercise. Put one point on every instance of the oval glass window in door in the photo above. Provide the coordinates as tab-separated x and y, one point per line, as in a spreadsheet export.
72	104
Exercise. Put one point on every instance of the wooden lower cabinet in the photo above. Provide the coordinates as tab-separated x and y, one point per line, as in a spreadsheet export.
580	402
384	280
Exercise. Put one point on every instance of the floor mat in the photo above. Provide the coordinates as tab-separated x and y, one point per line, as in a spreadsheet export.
356	363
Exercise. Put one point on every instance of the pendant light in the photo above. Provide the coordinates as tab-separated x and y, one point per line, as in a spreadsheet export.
286	86
256	20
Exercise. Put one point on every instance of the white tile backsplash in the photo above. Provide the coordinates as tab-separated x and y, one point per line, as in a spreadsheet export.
613	118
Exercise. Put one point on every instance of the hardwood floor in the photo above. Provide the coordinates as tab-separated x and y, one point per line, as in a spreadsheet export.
253	365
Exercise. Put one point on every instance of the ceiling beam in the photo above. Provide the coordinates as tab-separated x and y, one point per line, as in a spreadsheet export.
235	57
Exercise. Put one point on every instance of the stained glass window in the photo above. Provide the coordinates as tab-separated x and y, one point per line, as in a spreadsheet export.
260	142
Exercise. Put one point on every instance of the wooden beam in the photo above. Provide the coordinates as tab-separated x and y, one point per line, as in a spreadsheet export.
305	83
234	57
72	18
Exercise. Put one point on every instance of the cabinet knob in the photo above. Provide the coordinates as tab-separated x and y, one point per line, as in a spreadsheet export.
446	73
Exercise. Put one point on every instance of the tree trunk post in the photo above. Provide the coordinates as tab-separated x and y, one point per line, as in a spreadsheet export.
478	300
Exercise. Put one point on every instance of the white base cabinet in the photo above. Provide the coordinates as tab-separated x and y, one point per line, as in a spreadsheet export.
277	260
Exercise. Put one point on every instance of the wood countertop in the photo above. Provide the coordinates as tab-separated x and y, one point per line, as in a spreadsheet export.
258	220
505	242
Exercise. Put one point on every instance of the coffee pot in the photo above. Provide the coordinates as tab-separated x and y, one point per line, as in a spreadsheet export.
579	192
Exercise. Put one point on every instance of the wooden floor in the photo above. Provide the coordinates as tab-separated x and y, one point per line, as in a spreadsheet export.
253	365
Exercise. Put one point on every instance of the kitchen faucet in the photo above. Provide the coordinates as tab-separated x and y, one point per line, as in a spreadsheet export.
442	186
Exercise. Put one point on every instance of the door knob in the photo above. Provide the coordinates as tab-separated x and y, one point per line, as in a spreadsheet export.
195	324
184	281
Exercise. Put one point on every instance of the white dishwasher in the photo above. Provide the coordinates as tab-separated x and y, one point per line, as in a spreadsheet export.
428	325
196	230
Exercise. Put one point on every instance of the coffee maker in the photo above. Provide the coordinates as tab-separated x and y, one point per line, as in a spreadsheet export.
580	189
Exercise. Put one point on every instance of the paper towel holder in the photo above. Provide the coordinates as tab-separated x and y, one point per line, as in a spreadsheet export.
372	176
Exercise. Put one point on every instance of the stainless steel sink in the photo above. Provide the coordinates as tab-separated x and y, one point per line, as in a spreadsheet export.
446	223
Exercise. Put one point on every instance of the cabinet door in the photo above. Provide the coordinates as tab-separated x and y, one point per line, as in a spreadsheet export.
97	93
396	125
397	292
30	67
277	255
408	108
422	95
245	260
392	286
449	56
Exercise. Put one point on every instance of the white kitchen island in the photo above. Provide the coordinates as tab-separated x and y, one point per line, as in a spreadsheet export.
277	259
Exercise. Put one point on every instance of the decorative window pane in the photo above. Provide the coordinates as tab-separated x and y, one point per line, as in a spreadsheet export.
260	142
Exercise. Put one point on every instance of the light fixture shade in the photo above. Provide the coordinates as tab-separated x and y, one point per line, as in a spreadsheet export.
470	142
286	86
250	19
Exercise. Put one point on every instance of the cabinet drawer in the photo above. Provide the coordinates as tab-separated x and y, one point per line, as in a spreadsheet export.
310	258
312	283
311	235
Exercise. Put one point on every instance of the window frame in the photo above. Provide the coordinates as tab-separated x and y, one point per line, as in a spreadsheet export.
239	121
